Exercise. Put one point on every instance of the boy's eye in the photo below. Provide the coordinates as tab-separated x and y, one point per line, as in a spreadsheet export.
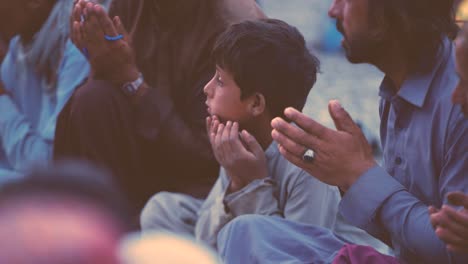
219	81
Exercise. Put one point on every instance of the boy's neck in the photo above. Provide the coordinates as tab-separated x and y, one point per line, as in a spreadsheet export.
261	130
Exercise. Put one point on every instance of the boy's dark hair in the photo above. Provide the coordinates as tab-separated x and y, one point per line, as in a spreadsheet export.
75	180
270	57
419	26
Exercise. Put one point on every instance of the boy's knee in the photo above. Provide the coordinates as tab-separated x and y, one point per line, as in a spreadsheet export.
154	209
241	225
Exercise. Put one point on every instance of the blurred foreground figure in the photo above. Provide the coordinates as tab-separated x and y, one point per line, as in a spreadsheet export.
164	248
68	214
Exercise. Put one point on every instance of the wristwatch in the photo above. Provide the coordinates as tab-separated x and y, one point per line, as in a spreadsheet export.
131	88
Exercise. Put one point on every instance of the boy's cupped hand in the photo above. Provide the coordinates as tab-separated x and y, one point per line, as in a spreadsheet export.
239	154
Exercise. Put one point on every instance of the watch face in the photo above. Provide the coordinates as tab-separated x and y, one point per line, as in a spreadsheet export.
129	88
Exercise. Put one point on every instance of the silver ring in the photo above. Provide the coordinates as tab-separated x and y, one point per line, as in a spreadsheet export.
309	155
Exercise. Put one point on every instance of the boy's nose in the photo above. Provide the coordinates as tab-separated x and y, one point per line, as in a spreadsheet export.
207	89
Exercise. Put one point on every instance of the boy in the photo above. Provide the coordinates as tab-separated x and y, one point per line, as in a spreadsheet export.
256	62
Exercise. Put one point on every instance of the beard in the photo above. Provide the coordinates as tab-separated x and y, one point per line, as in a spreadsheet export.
362	48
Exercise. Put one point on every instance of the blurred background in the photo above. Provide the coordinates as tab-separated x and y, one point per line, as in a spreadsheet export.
356	86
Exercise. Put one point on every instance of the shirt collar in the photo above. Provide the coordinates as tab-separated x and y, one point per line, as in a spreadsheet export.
416	87
272	150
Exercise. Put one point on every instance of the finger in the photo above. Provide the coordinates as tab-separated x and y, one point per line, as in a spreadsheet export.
77	38
432	216
252	144
292	147
93	34
105	22
218	141
458	249
443	220
459	220
458	199
226	139
309	167
76	14
342	119
449	236
308	124
121	29
432	210
293	138
237	145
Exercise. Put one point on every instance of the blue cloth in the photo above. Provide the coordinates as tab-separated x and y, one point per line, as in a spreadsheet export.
271	239
29	112
425	151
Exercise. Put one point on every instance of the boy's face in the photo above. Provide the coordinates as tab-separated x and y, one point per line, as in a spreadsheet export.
460	96
223	98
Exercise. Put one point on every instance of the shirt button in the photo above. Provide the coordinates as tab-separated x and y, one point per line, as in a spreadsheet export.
398	161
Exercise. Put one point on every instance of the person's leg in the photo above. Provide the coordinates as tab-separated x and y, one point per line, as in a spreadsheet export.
97	125
172	212
265	239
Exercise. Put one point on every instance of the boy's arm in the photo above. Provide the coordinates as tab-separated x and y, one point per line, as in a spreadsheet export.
258	197
310	200
24	145
243	186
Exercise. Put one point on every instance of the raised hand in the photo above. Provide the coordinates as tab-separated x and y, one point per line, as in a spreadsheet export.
239	154
341	156
105	42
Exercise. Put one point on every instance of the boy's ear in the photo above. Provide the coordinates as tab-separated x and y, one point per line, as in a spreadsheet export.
258	104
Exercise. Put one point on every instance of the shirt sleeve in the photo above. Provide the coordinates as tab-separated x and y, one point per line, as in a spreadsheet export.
379	204
219	208
311	201
22	143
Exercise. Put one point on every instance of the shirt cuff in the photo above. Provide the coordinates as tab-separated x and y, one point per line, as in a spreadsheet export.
255	198
362	201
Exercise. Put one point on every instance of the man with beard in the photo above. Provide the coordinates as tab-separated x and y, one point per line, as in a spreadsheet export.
142	111
423	137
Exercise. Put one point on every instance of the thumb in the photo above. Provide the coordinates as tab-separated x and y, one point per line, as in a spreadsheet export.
252	144
341	118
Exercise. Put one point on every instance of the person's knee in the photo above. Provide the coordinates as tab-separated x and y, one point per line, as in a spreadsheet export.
95	99
154	210
240	226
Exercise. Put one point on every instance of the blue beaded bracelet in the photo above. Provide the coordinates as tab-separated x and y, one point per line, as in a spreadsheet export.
109	38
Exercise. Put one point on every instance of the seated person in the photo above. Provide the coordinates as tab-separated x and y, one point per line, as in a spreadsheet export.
38	75
144	126
262	67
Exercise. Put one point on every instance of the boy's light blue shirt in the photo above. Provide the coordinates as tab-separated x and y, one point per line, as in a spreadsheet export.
29	113
425	142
